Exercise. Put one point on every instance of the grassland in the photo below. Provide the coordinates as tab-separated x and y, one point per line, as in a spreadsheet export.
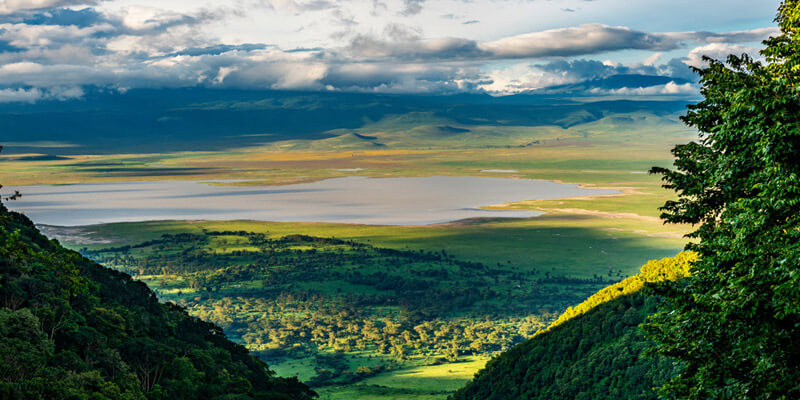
576	245
613	149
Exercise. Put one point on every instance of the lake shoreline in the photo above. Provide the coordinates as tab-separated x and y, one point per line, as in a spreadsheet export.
356	200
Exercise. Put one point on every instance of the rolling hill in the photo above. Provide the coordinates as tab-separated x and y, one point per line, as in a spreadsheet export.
165	120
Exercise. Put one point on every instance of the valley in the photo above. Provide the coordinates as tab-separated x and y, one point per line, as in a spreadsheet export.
368	308
399	200
351	318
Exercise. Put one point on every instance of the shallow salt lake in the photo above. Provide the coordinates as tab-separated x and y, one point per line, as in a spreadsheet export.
357	200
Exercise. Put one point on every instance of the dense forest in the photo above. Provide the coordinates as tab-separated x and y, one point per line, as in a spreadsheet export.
72	329
735	322
594	352
319	299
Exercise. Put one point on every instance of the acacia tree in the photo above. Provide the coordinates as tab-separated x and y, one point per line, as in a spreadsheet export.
735	323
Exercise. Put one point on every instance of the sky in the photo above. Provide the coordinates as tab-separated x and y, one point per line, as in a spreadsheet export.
56	49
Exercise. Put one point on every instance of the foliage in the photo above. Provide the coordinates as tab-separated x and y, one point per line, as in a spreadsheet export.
735	323
667	269
72	329
595	353
297	297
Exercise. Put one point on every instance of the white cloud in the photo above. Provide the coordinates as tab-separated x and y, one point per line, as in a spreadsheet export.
275	70
224	72
19	68
653	59
717	51
670	88
20	95
35	94
141	18
28	36
411	77
522	77
412	7
299	6
575	41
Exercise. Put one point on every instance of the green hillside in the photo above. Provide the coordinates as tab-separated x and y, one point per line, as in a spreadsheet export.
595	351
72	329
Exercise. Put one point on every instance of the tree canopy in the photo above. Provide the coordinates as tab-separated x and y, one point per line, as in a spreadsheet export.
72	329
595	352
735	322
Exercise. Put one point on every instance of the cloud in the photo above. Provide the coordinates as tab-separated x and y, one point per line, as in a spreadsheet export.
29	37
670	88
562	76
299	6
14	6
88	37
577	41
82	18
652	59
681	67
519	78
344	19
365	46
754	35
33	95
412	7
438	78
717	51
20	95
225	48
50	52
525	76
20	68
139	18
378	7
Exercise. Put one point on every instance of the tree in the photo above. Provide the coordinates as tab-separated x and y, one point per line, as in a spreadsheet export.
735	323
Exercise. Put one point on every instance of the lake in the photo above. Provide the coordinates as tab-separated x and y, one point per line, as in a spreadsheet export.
357	200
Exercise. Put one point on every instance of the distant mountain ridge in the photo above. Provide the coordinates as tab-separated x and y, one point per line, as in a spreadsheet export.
197	119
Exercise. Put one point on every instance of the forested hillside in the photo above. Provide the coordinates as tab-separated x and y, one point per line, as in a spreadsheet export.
72	329
667	269
593	352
